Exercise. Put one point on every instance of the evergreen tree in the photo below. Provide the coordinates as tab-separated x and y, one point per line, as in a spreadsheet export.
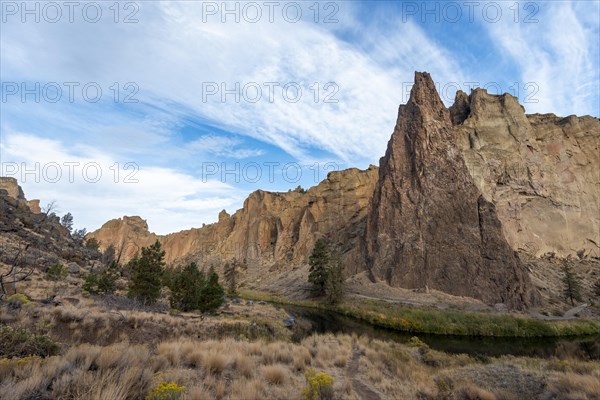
334	286
212	295
319	262
107	278
57	272
147	270
92	244
572	284
78	235
90	284
186	288
67	221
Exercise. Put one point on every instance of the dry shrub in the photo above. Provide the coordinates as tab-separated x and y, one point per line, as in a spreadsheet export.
340	361
573	386
245	366
198	393
247	390
255	348
171	351
220	389
302	358
195	358
275	374
122	355
277	353
83	356
215	363
472	392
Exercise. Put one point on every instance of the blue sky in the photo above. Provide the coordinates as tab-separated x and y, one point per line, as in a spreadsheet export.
173	147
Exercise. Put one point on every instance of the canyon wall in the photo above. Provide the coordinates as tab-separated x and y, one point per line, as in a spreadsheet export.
458	190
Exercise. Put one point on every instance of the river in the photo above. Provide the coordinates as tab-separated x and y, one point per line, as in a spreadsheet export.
309	321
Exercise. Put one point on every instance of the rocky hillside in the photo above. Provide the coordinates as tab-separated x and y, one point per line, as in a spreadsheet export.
31	241
456	185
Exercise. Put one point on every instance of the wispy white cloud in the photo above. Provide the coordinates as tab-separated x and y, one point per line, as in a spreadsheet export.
222	146
91	185
559	53
172	56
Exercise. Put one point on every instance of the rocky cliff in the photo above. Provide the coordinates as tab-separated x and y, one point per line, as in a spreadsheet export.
541	171
14	191
456	185
271	228
429	226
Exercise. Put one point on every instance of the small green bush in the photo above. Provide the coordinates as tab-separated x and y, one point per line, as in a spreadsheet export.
17	300
320	386
56	272
166	391
104	282
17	342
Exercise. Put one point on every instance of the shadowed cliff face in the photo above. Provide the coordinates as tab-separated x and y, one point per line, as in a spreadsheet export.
429	225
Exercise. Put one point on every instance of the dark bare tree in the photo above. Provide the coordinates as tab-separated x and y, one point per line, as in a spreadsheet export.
16	270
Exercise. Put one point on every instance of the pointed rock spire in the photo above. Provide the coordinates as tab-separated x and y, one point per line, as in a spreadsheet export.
429	226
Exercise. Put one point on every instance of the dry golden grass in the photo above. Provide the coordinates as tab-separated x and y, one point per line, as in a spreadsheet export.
245	366
215	363
275	374
573	386
228	368
248	389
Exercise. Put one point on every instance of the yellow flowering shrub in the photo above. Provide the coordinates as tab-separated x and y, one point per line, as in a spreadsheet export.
320	386
166	391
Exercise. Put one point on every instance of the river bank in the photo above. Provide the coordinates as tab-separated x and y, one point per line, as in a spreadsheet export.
441	322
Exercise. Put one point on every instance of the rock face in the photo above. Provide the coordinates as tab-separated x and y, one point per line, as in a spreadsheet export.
271	228
14	191
541	171
458	190
32	239
429	226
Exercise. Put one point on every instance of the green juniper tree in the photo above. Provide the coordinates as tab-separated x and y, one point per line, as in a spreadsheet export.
572	284
186	288
212	293
319	263
67	221
147	270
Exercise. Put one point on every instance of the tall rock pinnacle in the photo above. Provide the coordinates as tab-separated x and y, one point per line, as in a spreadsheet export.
429	226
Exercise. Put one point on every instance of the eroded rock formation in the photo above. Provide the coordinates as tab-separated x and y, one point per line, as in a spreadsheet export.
429	225
14	191
541	171
271	228
456	186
